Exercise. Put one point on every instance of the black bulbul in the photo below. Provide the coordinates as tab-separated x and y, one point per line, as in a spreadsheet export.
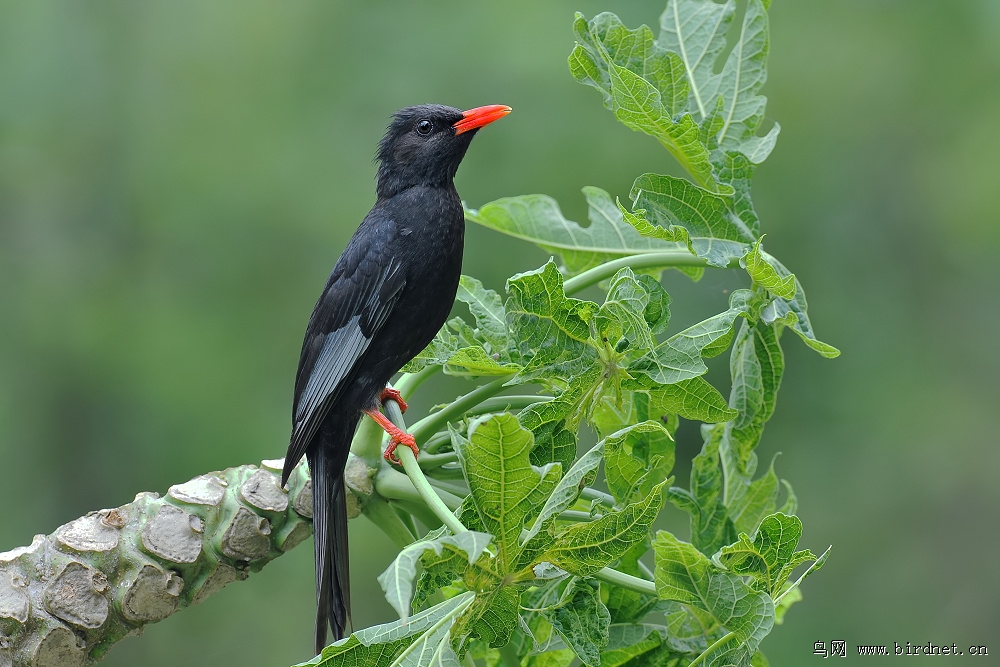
389	293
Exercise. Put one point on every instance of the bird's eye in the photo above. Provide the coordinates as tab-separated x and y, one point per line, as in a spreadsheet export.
424	127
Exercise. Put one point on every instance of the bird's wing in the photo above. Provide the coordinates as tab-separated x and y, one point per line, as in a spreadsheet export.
356	303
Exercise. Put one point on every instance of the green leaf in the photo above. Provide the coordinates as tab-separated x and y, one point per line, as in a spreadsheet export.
686	575
624	604
554	431
781	607
693	399
492	616
715	232
582	620
567	490
397	580
726	102
631	310
505	488
487	309
756	366
735	170
423	639
604	41
764	274
560	658
687	627
739	82
680	356
551	330
440	349
476	362
439	572
770	556
584	548
539	635
748	501
628	641
642	84
696	31
637	458
779	309
537	218
710	525
638	105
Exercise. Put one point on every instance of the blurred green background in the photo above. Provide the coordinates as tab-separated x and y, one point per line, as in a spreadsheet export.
177	179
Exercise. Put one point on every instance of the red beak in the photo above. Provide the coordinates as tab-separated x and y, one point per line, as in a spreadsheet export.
476	118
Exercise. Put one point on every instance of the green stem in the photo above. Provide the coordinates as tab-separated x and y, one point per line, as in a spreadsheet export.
416	509
447	488
434	422
382	515
576	515
431	461
505	403
643	261
627	581
701	658
435	442
416	475
394	485
446	473
594	494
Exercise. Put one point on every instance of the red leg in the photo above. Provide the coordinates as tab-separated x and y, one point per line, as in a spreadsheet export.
394	395
397	437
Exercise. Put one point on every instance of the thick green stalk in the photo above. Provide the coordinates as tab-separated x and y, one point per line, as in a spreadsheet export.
434	422
647	260
416	475
627	581
383	516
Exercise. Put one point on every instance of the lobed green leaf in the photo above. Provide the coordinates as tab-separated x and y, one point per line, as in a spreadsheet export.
582	620
537	219
680	356
770	556
398	579
423	639
714	231
686	575
584	548
638	457
505	488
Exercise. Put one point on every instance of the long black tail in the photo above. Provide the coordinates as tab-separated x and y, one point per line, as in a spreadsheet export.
333	581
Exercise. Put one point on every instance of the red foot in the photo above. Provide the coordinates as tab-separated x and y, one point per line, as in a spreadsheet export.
388	393
397	437
403	439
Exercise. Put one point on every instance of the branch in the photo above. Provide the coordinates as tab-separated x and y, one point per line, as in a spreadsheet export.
69	596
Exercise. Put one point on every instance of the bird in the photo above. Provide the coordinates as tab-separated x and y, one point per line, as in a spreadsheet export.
389	293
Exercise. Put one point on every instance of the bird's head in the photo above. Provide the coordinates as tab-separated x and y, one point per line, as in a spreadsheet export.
424	144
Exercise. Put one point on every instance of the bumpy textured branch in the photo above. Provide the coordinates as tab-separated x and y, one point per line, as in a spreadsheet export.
69	596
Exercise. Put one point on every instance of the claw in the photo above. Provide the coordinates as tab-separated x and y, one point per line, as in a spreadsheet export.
388	393
396	441
397	437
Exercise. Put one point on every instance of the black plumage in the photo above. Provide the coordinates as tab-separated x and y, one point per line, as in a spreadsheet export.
388	294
